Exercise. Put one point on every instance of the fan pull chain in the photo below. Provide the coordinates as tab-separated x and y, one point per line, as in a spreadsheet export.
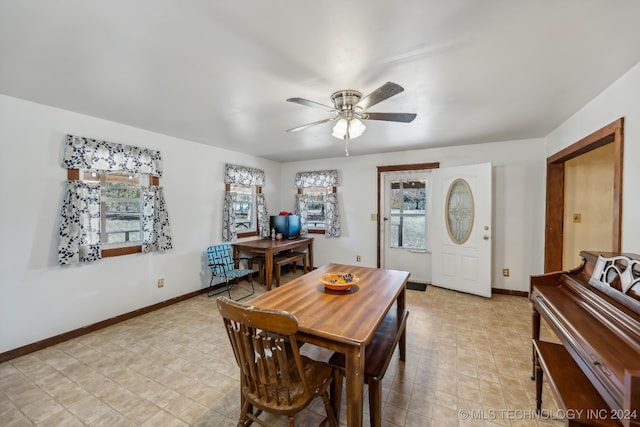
346	139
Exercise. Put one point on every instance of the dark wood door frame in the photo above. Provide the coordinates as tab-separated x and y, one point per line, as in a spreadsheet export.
397	168
553	242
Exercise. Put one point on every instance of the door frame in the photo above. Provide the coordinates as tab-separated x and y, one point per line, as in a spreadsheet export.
395	168
554	215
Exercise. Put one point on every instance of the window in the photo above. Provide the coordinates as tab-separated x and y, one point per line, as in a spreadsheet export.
317	207
244	211
408	218
120	207
245	208
113	204
317	202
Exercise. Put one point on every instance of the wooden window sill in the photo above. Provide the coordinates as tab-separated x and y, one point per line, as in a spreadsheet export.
106	253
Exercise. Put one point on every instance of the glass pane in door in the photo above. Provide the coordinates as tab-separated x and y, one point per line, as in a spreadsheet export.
408	220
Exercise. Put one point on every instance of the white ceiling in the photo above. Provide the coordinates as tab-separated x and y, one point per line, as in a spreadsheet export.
218	72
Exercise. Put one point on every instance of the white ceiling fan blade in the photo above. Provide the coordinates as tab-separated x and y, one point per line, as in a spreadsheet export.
312	104
390	117
296	129
385	91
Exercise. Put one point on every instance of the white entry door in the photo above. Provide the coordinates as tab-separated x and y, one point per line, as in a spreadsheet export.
461	228
404	223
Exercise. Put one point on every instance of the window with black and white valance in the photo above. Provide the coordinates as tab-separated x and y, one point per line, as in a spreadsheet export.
327	179
80	226
244	176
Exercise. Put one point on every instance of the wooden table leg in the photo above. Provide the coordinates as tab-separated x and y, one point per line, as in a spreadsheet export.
268	269
354	367
310	246
336	393
402	344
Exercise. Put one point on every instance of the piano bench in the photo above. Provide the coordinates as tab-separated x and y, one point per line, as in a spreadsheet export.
571	387
377	358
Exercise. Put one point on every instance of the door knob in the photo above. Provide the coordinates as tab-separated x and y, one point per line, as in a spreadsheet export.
485	237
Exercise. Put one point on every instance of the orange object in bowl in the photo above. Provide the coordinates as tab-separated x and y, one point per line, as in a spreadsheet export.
339	281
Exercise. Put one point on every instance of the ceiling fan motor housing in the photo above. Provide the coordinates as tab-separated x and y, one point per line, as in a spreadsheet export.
345	99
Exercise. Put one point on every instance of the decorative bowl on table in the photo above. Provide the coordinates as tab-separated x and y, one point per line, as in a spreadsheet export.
339	281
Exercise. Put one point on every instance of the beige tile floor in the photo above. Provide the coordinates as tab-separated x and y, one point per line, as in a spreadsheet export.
468	364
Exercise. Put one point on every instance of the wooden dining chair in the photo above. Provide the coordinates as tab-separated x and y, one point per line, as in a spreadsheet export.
274	376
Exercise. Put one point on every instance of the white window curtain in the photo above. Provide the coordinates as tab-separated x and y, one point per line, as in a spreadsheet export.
302	201
242	175
79	237
323	178
155	221
263	217
333	219
229	217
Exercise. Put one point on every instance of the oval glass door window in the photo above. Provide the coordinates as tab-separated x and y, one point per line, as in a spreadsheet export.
459	211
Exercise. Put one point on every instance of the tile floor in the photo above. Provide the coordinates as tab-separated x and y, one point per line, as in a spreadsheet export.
468	364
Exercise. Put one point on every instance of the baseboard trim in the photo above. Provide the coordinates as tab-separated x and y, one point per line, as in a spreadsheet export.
48	342
510	292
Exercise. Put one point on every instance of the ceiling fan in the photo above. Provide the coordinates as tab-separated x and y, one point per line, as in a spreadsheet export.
349	109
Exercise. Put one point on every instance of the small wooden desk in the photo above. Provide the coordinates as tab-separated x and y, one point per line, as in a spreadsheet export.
343	321
268	248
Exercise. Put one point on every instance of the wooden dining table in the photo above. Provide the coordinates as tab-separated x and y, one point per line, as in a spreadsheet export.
269	248
342	321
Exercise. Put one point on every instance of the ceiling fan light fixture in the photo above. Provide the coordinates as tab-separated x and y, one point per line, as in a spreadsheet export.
356	128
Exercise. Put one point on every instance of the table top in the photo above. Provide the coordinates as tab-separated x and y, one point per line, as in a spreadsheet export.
272	244
351	316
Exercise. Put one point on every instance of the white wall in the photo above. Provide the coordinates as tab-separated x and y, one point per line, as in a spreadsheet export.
621	99
39	298
518	208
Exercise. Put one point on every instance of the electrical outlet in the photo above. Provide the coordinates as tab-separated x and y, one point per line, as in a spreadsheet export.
358	258
505	272
161	282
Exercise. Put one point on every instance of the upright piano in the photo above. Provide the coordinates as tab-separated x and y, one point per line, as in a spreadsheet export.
595	312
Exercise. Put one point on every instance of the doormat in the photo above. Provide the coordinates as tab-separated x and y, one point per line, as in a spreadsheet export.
415	286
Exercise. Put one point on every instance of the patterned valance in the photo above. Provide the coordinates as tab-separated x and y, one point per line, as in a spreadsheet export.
328	178
86	153
242	175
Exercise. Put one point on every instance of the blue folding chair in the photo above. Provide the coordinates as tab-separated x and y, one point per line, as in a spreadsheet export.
223	265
